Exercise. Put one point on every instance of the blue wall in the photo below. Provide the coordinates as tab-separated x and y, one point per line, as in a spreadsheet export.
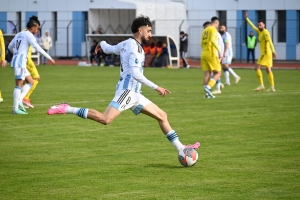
78	32
291	34
241	51
29	14
3	21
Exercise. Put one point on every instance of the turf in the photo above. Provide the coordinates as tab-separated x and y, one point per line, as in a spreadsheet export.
250	142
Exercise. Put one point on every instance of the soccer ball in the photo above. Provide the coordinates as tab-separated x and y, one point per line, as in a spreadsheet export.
188	157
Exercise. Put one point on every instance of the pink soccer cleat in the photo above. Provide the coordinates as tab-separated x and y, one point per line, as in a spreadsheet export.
194	146
58	109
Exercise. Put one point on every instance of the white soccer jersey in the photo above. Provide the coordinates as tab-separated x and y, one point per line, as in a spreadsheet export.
19	47
220	43
227	39
132	64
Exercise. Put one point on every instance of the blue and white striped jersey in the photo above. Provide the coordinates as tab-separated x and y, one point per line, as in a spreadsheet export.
19	47
132	59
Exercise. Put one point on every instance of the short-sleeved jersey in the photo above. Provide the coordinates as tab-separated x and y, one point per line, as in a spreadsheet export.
20	45
208	34
227	40
132	58
264	41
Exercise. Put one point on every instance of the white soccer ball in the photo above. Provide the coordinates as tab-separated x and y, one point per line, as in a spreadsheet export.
188	157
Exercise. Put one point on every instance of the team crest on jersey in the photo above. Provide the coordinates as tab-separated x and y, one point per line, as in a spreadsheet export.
136	61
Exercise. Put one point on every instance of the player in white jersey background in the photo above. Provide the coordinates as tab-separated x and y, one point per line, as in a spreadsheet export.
228	53
127	95
19	47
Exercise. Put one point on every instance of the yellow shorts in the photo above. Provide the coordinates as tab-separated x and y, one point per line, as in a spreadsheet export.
265	60
32	69
210	63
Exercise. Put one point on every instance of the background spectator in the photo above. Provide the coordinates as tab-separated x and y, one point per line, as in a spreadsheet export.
251	43
46	44
183	48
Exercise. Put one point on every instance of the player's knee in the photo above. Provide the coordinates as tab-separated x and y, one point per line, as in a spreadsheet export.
106	121
163	116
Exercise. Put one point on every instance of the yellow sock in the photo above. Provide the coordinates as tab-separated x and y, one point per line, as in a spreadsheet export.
271	78
211	83
259	76
0	94
35	82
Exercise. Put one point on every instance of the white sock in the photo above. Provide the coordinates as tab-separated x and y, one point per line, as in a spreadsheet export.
17	95
226	74
173	138
25	90
218	85
71	110
232	72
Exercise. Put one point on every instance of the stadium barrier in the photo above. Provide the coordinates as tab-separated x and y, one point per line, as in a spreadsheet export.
116	38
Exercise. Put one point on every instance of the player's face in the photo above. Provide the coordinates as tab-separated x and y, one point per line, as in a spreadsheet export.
216	24
222	29
34	29
261	26
146	33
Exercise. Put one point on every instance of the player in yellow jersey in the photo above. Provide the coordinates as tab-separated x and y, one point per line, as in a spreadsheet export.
210	60
2	58
35	76
266	51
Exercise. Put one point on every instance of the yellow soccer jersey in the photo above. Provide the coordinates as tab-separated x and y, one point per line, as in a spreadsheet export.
264	38
209	41
2	46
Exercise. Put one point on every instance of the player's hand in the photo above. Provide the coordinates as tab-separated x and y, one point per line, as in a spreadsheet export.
275	55
3	63
246	14
98	47
53	62
162	91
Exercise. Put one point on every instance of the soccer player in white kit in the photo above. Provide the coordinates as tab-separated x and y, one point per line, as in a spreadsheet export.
19	47
227	56
127	95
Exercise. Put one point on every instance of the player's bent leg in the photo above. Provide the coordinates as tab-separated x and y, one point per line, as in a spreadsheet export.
104	118
155	112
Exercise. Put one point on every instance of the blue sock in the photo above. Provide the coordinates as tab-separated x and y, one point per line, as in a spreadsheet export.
82	112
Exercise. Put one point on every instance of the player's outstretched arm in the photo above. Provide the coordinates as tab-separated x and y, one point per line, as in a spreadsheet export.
109	49
249	21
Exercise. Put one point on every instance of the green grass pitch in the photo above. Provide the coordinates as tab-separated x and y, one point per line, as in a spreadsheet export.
250	142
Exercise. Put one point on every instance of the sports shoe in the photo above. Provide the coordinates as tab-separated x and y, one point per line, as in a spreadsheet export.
188	66
227	84
271	90
27	102
19	112
216	92
221	85
21	107
259	88
194	146
58	109
209	97
237	79
1	100
208	92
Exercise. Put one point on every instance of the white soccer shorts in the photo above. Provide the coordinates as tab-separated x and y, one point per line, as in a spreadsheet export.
227	60
21	73
127	99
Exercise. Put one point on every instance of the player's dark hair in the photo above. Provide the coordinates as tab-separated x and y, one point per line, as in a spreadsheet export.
33	21
213	19
206	23
140	21
260	20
